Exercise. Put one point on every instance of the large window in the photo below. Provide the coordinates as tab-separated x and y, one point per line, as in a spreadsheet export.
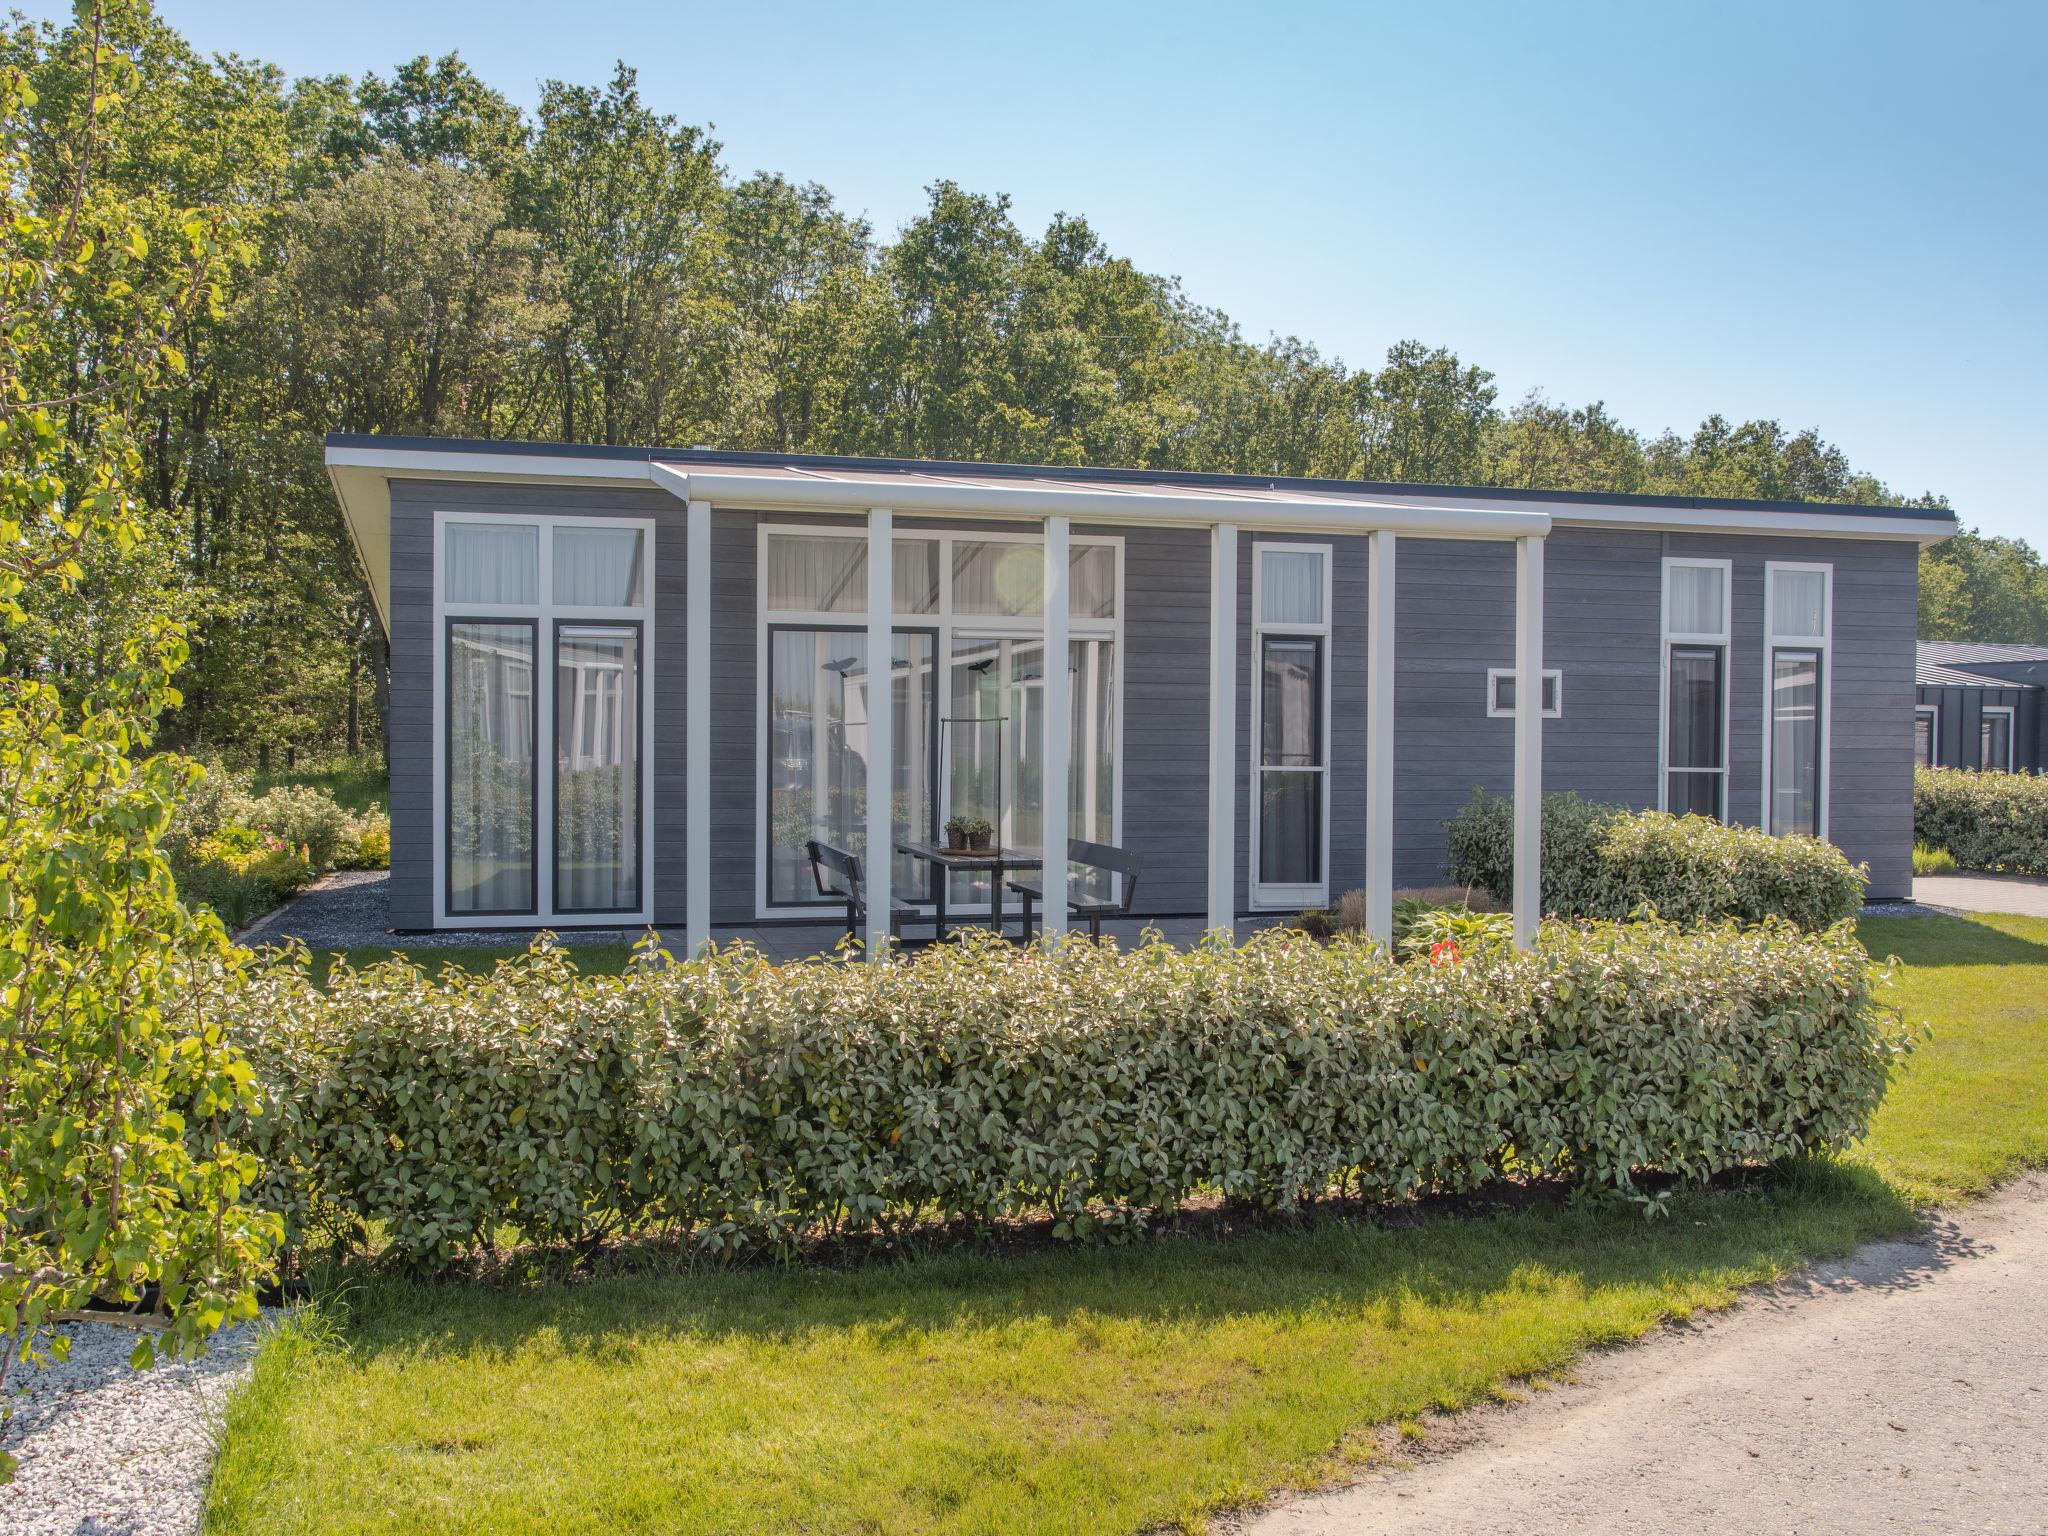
597	767
530	835
1290	639
818	688
1797	600
1927	736
1694	776
491	780
968	697
1994	738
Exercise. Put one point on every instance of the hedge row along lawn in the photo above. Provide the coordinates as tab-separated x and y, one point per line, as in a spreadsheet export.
1102	1388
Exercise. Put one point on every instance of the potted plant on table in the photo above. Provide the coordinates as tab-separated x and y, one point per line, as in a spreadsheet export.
965	833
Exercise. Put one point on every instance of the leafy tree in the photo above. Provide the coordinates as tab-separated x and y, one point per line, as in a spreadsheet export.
1542	445
1977	587
115	1081
625	202
1423	417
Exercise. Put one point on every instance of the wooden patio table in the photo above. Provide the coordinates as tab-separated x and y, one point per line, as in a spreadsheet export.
994	862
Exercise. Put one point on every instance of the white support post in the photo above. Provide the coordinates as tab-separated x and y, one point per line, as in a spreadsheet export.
1528	740
880	862
1059	729
1223	727
697	728
1379	739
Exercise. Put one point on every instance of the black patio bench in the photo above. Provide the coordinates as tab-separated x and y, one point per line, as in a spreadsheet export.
838	876
1115	861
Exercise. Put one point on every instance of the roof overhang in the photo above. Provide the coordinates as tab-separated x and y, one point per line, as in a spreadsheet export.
362	472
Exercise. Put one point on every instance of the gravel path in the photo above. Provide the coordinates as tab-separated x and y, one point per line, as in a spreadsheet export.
1903	1390
107	1450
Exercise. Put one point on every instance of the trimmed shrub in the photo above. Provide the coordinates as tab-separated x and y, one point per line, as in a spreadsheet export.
1605	861
1988	820
752	1105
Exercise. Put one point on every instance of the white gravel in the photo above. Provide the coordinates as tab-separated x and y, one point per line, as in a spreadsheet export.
107	1450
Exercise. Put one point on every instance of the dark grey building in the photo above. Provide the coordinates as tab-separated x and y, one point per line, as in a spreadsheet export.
629	684
1979	706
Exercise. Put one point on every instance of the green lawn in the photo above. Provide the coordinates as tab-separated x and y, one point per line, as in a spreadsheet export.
1103	1389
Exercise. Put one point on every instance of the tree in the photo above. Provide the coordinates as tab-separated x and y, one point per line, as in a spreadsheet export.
624	202
116	1084
1976	587
1541	445
1423	417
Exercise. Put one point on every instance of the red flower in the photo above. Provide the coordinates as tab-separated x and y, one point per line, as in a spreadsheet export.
1444	952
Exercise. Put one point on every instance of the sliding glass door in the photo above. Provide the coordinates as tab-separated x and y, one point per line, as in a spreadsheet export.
818	682
597	767
491	780
968	691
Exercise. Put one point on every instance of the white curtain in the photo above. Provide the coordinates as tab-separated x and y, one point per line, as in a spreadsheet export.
490	767
598	567
492	563
1091	581
817	575
998	577
917	575
1290	586
1698	600
1799	604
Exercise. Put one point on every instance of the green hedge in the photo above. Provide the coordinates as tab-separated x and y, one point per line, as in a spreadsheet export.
751	1105
1988	820
1605	861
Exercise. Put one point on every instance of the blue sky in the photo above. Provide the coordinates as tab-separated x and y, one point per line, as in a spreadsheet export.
1833	215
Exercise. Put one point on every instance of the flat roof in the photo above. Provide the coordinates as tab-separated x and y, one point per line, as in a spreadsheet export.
685	458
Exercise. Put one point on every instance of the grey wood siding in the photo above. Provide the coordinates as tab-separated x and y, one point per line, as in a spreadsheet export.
1455	620
415	843
1165	668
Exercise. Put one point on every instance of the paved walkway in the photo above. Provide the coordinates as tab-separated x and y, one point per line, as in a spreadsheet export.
1984	893
352	910
1904	1390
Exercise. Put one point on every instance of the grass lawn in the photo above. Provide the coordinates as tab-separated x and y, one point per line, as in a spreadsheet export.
1104	1389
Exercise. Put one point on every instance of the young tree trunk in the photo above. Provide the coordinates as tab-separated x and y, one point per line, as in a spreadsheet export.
263	758
355	698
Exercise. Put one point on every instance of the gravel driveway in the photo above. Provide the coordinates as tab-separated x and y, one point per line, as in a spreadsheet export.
107	1450
1903	1390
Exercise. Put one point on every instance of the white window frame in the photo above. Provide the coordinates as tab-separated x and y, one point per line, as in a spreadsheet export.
1823	644
544	615
1933	713
1278	897
1669	637
942	622
1495	710
2011	725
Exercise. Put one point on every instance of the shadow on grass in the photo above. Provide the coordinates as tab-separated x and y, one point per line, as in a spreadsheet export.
1934	942
1708	1240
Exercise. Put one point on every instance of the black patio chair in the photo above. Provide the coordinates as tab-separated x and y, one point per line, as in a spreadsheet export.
1115	861
838	876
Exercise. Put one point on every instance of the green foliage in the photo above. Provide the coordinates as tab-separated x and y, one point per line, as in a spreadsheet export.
1976	587
1932	861
1987	820
755	1105
1608	862
1451	933
241	854
119	1168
